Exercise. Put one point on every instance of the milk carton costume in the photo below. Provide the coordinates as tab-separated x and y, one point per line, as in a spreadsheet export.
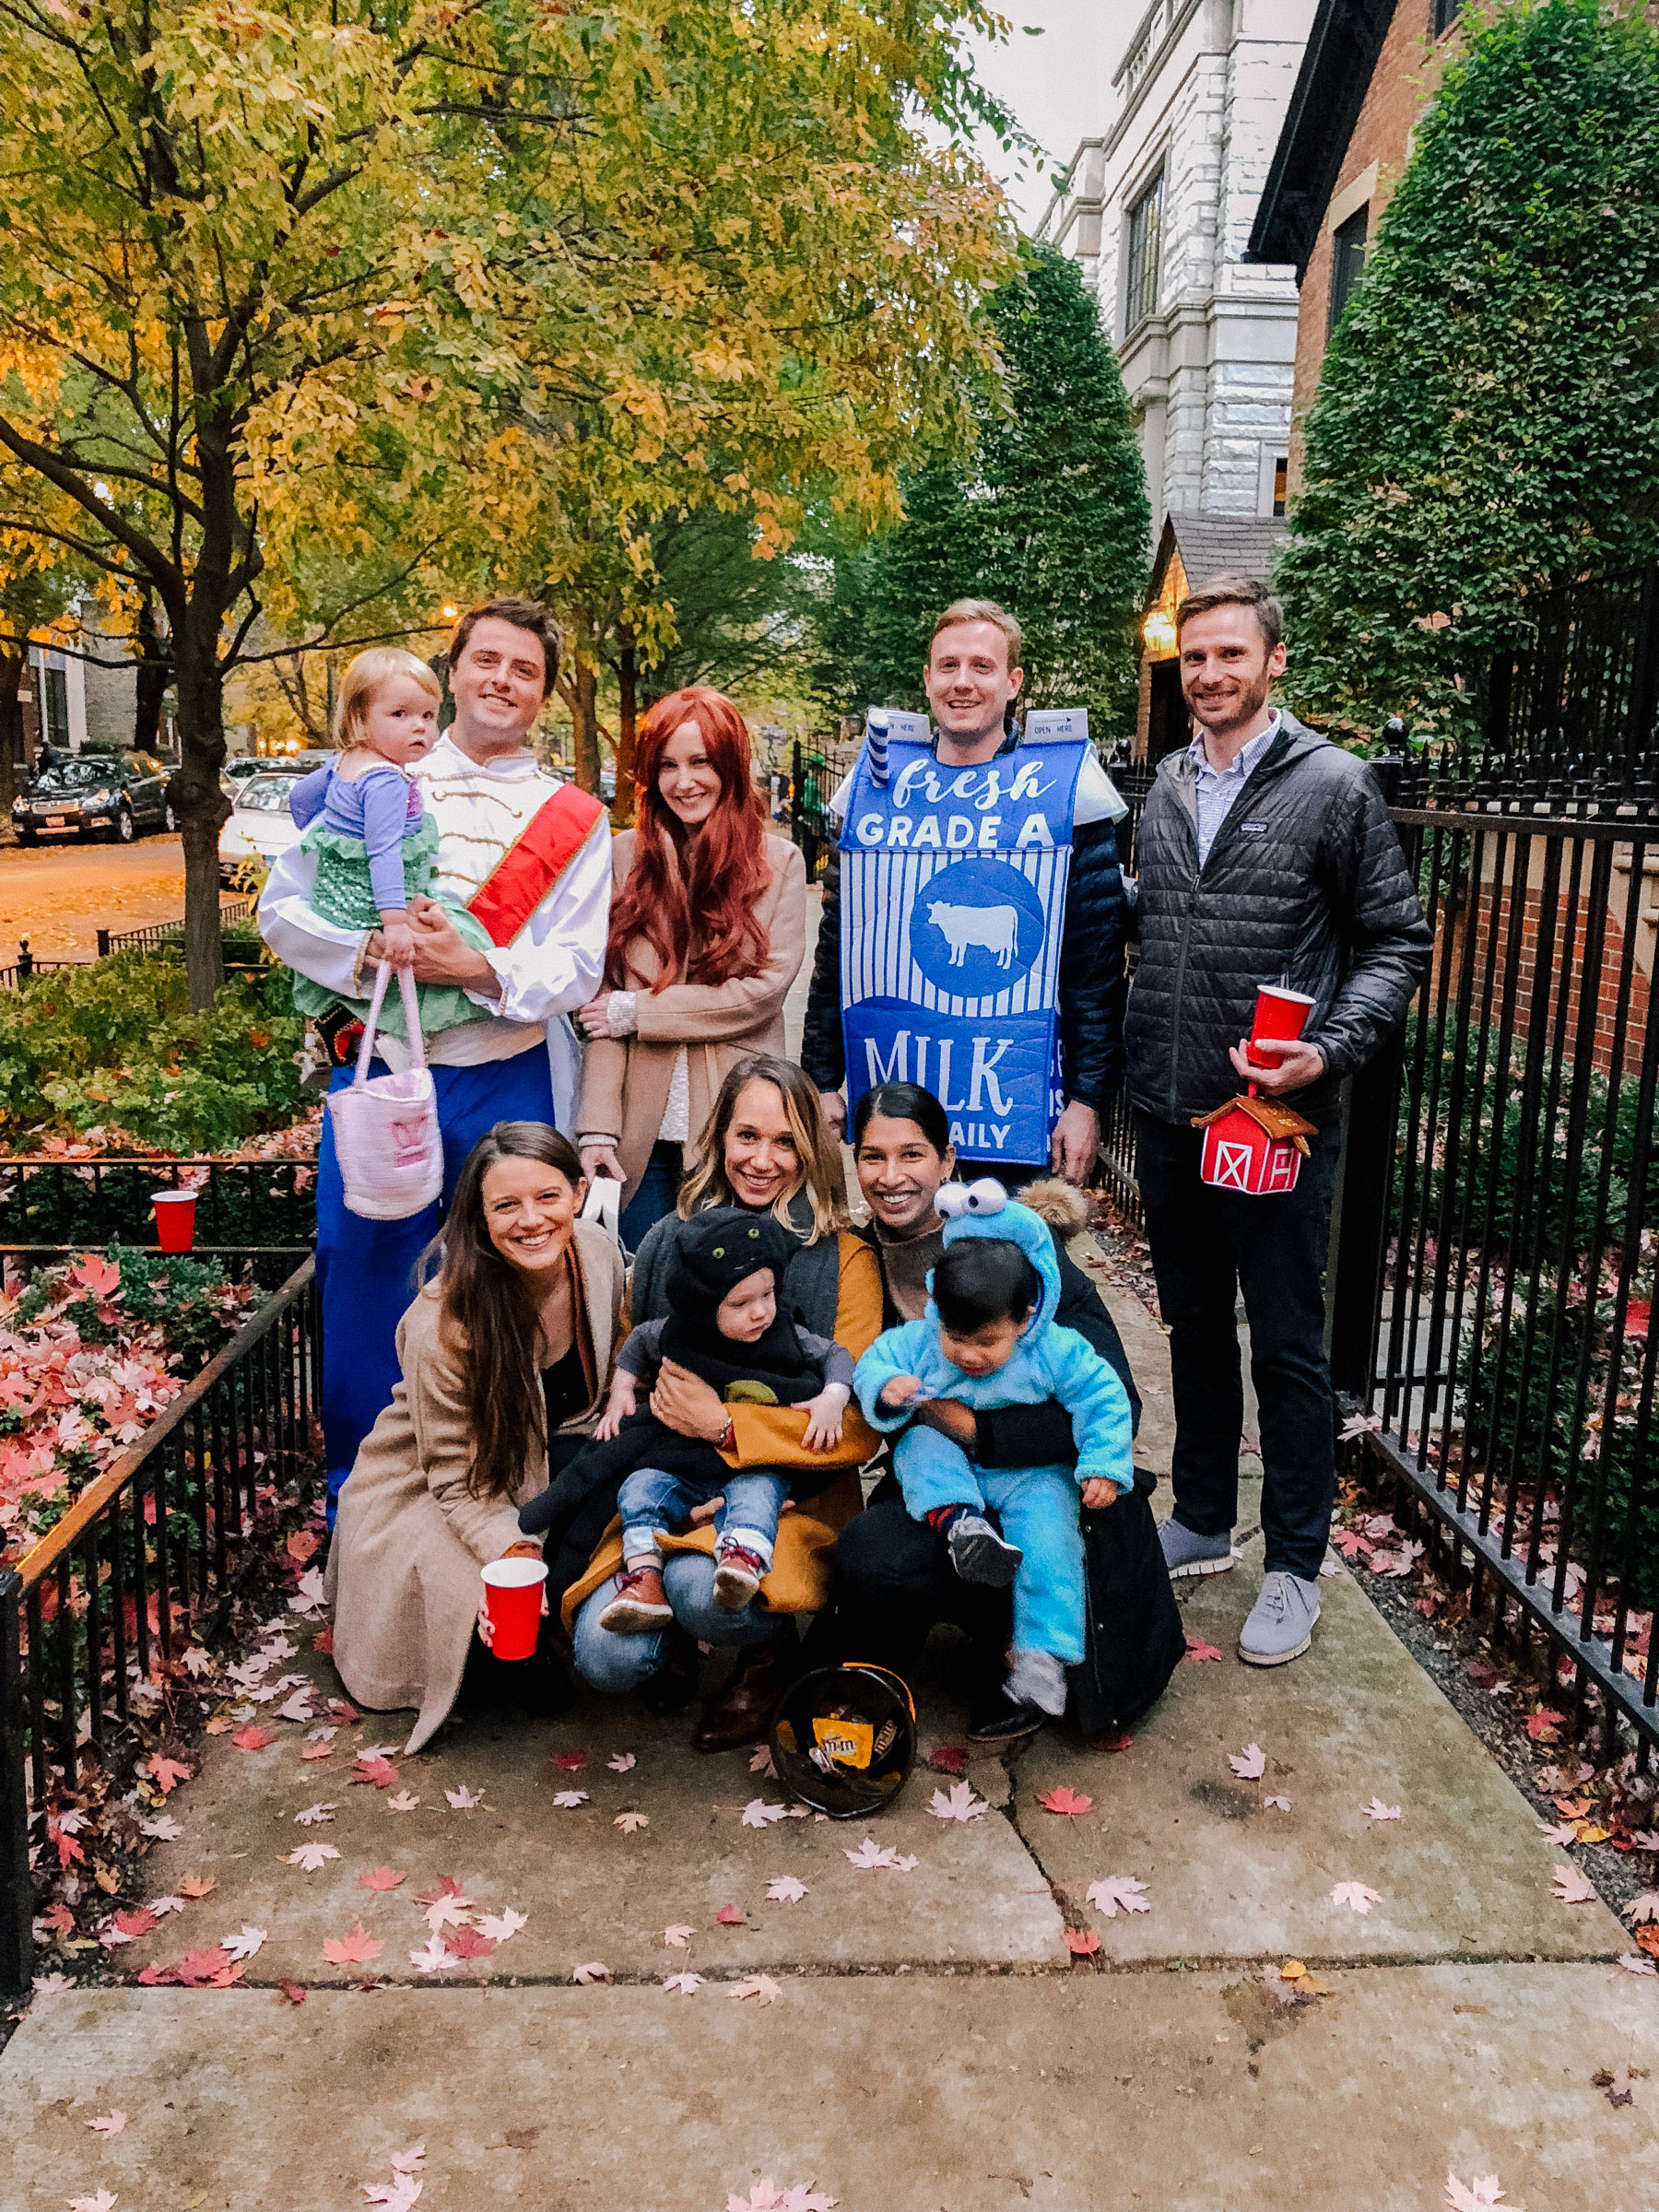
530	859
1038	1506
973	931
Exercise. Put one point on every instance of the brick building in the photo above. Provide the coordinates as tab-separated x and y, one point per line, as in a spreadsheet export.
1370	68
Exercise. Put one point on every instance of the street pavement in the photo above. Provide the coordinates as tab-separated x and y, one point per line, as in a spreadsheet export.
923	2039
61	895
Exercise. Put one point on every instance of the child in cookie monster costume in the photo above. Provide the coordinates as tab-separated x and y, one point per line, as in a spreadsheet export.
988	1340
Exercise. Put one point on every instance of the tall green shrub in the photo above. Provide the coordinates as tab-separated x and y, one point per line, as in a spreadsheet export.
1486	422
1049	516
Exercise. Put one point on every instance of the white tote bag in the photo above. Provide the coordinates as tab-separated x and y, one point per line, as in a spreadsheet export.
385	1127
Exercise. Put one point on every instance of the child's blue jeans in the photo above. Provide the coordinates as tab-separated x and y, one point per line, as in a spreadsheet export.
1038	1508
650	1499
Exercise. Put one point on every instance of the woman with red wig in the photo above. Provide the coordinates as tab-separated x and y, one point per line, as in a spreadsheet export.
708	931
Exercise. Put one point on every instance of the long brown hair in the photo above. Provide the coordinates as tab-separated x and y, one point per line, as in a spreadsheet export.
820	1178
716	875
489	1312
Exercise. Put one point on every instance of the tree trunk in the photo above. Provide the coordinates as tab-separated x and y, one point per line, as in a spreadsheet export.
583	698
197	799
627	716
154	674
11	734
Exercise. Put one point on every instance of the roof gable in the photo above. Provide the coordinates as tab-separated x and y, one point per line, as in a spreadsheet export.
1330	85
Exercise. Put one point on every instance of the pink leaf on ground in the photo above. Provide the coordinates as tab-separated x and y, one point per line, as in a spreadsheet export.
103	2202
686	1985
761	1986
1277	1804
434	1957
356	1949
243	1944
1249	1764
677	1937
757	1813
946	1758
463	1800
621	1762
1480	2196
403	1802
760	1762
108	2123
729	1916
1072	1804
567	1800
1377	1810
382	1878
1573	1886
765	2196
1198	1649
498	1926
167	1773
314	1814
569	1762
1559	1832
785	1890
873	1854
1118	1893
959	1804
381	1772
252	1738
595	1970
1082	1943
471	1943
309	1856
1356	1895
628	1822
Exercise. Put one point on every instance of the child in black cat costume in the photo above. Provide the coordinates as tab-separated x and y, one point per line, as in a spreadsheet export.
723	1326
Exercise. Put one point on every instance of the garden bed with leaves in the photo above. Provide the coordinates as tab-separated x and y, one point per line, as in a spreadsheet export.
90	1352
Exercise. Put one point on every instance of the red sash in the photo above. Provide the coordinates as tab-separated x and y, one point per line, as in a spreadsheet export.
527	871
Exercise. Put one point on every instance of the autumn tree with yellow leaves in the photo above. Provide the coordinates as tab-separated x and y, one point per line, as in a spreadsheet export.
327	312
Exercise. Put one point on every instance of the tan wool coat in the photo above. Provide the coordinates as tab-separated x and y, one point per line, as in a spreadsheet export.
410	1540
625	1080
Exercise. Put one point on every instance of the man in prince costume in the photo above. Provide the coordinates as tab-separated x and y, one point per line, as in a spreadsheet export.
530	859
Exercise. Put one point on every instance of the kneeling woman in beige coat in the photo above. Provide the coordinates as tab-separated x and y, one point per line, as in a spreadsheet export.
506	1358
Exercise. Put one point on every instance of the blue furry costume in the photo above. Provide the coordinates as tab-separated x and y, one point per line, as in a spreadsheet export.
1038	1507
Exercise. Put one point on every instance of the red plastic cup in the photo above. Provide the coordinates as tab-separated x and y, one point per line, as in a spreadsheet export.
512	1597
1279	1013
175	1218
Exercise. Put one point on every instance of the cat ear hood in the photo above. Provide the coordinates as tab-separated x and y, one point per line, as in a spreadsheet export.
985	1210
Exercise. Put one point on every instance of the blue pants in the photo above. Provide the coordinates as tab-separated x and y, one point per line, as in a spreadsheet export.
619	1663
366	1269
658	1194
650	1499
1038	1508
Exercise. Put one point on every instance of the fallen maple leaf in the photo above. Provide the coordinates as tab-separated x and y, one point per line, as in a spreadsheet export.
1118	1893
293	1990
786	1889
760	1762
757	1985
1480	2196
103	2202
628	1822
434	1957
729	1916
1573	1886
356	1949
463	1800
137	1922
382	1878
1278	1805
167	1773
379	1773
243	1944
1645	1907
621	1762
1082	1943
164	1828
447	1913
207	1968
161	1906
1249	1764
317	1751
946	1758
405	1802
108	2123
567	1800
309	1856
198	1884
873	1854
1541	1725
50	1985
471	1943
765	2196
1377	1810
677	1937
314	1814
1356	1895
686	1985
959	1804
757	1813
1072	1802
498	1926
1559	1832
595	1970
253	1737
1197	1650
1632	1962
569	1762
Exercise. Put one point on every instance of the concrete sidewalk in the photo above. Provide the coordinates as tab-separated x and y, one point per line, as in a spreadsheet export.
930	2044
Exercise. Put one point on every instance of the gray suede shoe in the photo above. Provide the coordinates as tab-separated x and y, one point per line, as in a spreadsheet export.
1187	1554
1281	1621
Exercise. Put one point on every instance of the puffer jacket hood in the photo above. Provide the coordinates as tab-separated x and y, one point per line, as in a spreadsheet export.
1304	883
984	1209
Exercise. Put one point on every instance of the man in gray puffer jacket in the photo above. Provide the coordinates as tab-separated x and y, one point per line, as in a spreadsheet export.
1265	855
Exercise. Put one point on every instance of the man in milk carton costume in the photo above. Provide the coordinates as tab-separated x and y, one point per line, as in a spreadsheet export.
531	857
974	917
1039	1546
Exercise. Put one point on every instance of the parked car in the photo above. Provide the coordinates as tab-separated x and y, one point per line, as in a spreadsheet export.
259	825
241	766
86	794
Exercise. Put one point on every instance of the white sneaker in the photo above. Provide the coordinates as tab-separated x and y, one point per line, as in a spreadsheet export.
1281	1621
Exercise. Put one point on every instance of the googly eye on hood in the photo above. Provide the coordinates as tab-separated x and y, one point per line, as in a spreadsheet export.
985	1210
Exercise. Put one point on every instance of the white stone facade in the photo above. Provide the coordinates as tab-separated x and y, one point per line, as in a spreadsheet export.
1197	101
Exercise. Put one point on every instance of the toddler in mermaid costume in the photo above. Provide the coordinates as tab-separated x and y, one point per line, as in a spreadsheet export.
376	845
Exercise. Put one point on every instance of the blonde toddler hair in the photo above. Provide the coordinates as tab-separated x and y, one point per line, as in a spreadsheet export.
364	677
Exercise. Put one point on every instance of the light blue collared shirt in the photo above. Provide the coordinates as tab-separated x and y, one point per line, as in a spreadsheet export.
1217	788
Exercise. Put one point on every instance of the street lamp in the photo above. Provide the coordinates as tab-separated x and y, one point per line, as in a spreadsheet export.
1159	630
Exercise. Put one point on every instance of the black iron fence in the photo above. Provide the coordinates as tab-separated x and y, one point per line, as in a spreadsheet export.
26	966
242	1206
138	1565
815	776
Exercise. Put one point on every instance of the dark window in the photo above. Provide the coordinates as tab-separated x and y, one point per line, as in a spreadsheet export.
1347	260
1281	470
1146	225
54	697
1442	14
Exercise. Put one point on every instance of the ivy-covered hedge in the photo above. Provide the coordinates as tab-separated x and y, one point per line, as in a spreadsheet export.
1486	422
114	1046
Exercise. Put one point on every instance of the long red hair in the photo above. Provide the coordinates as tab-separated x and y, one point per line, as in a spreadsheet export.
718	874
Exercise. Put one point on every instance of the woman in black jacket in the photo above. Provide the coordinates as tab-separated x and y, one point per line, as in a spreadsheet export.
894	1581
